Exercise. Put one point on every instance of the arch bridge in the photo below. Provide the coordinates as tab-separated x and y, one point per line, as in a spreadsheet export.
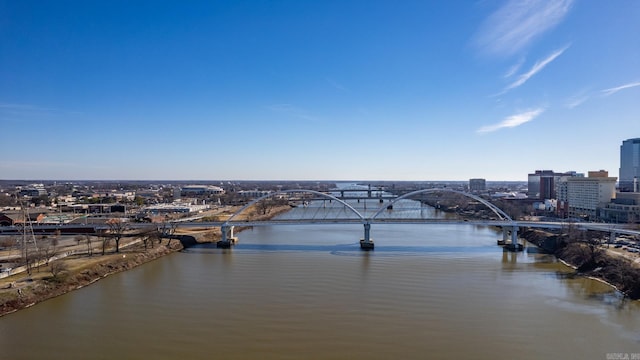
316	207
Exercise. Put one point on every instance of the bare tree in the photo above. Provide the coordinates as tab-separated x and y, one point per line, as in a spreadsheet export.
29	252
264	206
172	231
166	230
148	235
87	239
571	231
582	248
105	239
30	257
57	267
56	237
7	200
47	252
117	228
513	209
7	242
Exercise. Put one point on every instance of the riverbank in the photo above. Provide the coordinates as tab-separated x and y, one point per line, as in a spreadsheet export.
23	290
586	255
74	272
590	259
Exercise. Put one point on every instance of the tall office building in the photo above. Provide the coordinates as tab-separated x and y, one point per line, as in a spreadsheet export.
586	196
540	185
562	193
630	165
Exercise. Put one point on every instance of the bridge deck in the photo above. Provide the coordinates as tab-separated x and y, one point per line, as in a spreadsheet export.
84	229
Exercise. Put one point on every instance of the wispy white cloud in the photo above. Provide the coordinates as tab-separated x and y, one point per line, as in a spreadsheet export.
577	99
514	68
537	67
611	91
515	25
512	121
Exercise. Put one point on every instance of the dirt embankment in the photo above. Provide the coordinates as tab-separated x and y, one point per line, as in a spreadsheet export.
24	290
20	292
590	258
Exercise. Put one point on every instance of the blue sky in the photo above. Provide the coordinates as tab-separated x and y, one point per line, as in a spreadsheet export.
316	90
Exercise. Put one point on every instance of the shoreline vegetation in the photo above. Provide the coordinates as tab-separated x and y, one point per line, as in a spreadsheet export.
582	251
589	258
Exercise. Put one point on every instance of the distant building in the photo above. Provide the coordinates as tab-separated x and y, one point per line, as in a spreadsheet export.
55	218
254	193
630	165
5	220
508	195
33	190
586	195
97	208
542	184
148	193
175	208
477	185
191	190
625	208
562	193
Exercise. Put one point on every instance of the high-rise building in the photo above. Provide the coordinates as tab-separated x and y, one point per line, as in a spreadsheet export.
562	189
538	184
630	165
586	196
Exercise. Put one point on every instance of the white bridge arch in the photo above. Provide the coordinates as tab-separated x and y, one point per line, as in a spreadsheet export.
283	192
501	214
365	243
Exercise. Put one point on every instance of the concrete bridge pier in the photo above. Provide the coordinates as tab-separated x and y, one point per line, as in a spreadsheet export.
612	237
366	243
505	236
514	245
228	238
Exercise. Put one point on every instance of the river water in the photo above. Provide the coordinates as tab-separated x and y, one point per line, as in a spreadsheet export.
309	292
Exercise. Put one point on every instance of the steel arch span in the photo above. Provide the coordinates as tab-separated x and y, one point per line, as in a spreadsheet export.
501	214
281	192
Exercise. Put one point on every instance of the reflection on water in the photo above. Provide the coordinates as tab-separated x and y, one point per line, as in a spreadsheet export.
308	292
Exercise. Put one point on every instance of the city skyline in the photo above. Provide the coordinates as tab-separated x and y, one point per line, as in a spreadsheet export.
334	90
